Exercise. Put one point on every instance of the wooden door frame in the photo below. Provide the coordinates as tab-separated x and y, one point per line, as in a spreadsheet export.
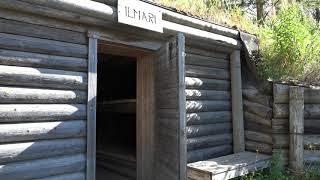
145	102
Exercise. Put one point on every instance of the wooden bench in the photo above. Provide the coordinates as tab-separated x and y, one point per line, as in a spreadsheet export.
228	167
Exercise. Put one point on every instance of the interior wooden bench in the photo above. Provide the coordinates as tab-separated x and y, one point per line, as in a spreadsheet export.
228	167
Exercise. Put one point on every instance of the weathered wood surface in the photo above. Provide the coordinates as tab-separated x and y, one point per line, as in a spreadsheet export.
92	108
42	78
257	109
208	141
311	111
253	118
44	46
40	149
207	72
41	131
193	94
70	176
237	103
253	95
208	129
26	59
208	117
27	29
205	106
207	84
41	168
311	142
280	126
258	147
41	112
228	167
41	20
198	60
208	153
312	157
296	128
281	94
257	127
258	137
13	95
207	53
281	141
311	126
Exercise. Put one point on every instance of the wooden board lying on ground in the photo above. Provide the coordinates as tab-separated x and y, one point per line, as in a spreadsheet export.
228	167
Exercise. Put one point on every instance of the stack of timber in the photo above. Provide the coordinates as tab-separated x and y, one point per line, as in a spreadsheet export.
257	118
208	106
43	96
311	122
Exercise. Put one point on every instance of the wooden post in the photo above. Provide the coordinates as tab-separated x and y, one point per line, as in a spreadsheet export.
237	105
296	125
91	109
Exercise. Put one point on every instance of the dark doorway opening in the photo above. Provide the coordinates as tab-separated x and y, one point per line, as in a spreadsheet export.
116	117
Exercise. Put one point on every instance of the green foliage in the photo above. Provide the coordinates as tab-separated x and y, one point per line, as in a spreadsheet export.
290	46
224	12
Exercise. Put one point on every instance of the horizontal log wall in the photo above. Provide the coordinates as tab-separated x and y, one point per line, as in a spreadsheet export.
208	106
43	96
280	123
257	119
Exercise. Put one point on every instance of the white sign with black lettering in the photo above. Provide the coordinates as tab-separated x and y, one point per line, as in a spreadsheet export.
140	14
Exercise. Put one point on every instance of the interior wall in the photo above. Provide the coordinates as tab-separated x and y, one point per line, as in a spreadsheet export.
43	97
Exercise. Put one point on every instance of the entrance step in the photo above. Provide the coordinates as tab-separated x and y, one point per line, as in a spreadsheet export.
228	167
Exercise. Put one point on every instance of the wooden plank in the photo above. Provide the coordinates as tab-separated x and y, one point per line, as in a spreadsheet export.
145	117
311	142
250	117
43	167
208	53
311	126
197	60
231	166
237	104
91	110
258	147
280	126
41	20
42	78
205	106
208	141
207	72
209	129
41	112
13	95
258	109
208	153
281	141
281	94
182	104
44	46
258	137
311	111
208	117
296	128
41	131
26	59
40	149
253	95
31	30
207	84
70	176
311	157
194	94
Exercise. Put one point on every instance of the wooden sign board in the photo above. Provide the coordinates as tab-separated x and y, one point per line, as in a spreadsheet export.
140	14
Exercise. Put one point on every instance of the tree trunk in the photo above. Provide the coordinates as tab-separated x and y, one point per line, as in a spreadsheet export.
260	13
